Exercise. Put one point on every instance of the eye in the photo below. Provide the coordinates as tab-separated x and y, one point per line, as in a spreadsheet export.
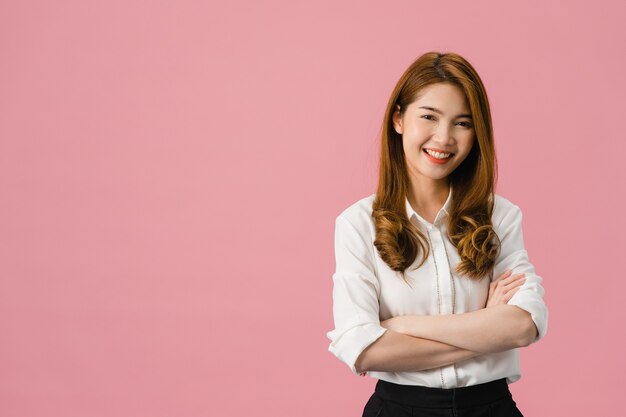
466	124
426	116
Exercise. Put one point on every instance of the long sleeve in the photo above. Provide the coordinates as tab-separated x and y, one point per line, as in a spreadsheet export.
355	295
513	256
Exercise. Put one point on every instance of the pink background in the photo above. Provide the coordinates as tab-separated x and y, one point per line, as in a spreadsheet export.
170	173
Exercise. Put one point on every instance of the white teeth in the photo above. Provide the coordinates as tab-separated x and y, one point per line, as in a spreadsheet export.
438	155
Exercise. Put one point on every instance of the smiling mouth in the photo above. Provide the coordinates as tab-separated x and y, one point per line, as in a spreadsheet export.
449	156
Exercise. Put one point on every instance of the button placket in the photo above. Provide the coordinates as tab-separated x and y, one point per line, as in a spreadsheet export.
436	240
453	295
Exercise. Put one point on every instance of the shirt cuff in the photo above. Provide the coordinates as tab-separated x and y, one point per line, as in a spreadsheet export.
349	345
537	309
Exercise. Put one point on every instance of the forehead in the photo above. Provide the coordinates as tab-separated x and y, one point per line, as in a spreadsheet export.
444	96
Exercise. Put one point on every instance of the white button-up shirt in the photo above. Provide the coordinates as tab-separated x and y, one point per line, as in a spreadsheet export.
366	291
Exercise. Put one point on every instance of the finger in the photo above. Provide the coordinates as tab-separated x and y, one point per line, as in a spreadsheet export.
510	294
511	278
503	288
500	278
518	282
505	274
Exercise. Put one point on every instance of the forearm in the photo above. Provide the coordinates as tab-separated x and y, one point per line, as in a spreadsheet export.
394	352
488	330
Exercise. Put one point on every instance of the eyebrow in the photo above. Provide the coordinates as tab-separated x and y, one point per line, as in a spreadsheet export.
440	112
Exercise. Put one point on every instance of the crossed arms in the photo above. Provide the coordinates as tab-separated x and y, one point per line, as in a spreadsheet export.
415	343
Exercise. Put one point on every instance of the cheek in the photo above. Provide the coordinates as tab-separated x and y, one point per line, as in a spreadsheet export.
412	148
413	137
468	142
408	142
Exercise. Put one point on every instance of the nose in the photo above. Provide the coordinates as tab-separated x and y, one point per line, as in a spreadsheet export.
443	134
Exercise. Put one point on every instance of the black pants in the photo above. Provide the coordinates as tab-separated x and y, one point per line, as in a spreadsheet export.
491	399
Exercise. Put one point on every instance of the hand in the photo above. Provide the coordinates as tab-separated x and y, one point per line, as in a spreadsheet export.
504	287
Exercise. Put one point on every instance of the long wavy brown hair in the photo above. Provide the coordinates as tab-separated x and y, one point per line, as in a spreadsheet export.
469	227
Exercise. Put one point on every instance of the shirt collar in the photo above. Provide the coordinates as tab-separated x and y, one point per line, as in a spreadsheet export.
440	215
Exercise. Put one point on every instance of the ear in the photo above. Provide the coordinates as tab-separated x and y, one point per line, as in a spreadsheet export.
397	120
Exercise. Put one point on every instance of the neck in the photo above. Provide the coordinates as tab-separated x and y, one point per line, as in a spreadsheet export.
428	195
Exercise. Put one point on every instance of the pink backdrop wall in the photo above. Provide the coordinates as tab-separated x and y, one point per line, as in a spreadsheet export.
170	173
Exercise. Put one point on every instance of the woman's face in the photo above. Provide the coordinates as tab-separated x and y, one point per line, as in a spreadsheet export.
440	121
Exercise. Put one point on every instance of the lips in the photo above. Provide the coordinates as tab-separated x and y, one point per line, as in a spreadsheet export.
436	160
431	149
438	150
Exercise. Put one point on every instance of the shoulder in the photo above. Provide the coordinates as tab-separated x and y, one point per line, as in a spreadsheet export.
504	212
359	214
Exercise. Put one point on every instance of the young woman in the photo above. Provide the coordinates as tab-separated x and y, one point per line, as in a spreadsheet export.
433	292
